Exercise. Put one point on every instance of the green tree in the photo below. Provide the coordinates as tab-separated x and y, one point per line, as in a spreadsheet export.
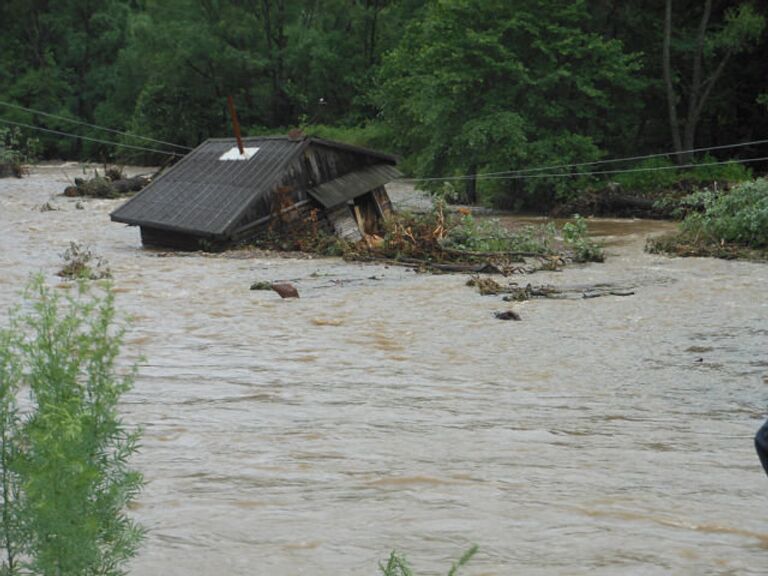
710	49
481	86
58	57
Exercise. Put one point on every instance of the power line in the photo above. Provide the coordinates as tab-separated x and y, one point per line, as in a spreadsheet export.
72	120
97	140
601	172
492	175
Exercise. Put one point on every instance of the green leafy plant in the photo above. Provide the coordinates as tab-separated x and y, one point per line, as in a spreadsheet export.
10	423
80	263
490	235
661	175
576	239
739	216
66	478
15	151
397	564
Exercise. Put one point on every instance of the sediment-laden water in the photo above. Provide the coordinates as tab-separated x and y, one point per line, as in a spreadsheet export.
386	409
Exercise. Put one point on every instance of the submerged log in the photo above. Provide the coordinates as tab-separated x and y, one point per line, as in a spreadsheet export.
508	315
128	185
515	293
101	187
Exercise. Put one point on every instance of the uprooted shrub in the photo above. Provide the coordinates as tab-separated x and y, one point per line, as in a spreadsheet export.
80	263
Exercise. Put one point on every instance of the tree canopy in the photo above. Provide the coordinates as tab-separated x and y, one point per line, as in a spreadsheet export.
457	87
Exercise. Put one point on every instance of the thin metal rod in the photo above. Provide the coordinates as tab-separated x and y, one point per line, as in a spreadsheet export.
235	124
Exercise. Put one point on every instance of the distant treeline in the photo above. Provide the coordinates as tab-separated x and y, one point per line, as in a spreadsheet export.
455	86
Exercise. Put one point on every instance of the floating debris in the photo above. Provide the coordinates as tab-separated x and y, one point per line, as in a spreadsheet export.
286	290
507	315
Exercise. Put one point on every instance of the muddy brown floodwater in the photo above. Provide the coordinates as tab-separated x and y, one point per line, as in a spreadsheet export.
386	409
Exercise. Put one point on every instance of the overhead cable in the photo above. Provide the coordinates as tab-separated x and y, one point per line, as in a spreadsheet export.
95	126
88	138
490	175
599	172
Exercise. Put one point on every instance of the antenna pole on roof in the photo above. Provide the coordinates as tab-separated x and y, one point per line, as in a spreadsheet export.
235	124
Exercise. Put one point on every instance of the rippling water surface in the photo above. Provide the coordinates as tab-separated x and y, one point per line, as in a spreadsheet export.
386	409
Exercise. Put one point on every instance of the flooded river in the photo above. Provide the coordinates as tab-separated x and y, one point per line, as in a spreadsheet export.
386	409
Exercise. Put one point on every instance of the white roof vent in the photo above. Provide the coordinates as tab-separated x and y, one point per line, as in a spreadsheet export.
234	154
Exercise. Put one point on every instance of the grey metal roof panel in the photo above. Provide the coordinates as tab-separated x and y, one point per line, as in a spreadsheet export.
354	184
205	195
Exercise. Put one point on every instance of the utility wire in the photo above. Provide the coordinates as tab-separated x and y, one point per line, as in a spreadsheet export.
491	175
72	120
603	172
99	141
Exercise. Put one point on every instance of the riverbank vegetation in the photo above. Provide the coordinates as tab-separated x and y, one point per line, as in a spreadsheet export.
475	91
64	459
16	151
731	224
443	240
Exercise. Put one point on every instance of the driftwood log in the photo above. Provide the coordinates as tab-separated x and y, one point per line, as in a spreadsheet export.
100	187
515	293
128	185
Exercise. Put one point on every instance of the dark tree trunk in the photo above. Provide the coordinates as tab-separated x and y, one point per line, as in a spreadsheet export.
674	125
471	189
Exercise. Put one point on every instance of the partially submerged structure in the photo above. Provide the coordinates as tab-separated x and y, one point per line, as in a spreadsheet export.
216	195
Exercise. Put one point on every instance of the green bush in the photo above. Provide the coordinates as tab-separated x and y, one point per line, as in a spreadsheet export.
660	174
65	474
739	216
582	247
15	151
489	235
371	135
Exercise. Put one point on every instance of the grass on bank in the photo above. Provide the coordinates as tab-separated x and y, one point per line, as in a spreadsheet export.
725	224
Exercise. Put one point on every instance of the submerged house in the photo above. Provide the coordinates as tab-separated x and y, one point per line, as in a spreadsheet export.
216	195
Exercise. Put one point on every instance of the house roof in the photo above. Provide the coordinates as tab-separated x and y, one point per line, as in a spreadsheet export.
206	195
354	184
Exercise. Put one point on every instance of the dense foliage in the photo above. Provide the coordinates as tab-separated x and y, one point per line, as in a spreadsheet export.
732	224
457	87
739	216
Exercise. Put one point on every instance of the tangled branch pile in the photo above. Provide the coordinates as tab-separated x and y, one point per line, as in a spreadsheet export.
80	263
444	241
460	242
113	184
